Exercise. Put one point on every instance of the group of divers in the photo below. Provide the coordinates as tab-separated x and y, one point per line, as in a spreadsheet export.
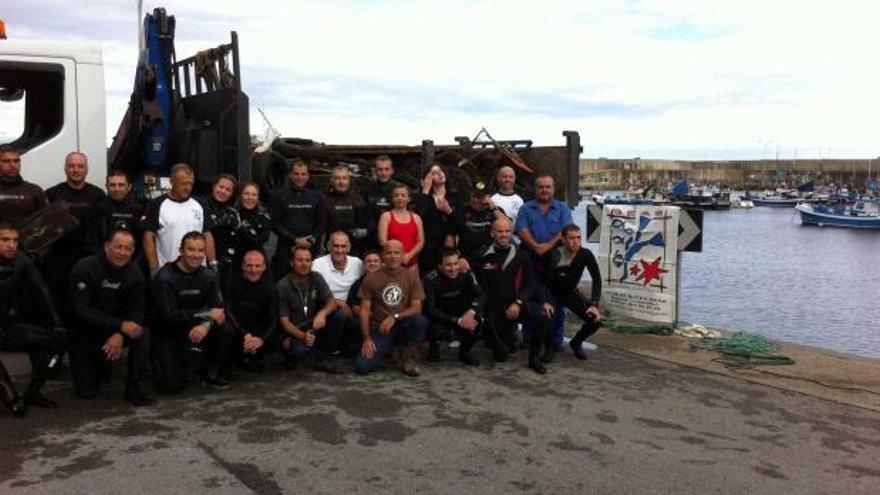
186	286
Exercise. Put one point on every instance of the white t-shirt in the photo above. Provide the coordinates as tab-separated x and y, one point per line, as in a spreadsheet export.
509	204
171	219
339	281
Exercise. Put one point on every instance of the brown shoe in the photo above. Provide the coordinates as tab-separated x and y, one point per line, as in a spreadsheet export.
408	363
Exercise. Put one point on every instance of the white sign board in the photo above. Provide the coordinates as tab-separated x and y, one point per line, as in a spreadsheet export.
638	247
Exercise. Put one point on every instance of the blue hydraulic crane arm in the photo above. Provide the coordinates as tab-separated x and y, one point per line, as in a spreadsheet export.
155	66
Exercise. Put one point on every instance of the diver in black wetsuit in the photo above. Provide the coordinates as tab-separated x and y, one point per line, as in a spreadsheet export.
377	196
513	295
563	268
108	300
191	324
453	302
19	277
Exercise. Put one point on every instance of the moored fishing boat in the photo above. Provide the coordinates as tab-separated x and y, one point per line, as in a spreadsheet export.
861	214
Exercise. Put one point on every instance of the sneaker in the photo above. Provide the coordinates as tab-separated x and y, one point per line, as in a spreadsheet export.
215	382
138	399
328	366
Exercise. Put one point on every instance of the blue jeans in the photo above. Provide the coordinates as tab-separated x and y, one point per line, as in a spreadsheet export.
409	330
326	339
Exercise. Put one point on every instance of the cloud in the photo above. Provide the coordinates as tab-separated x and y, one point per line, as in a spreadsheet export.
649	74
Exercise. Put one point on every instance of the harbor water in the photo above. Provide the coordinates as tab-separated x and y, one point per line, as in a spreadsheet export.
761	271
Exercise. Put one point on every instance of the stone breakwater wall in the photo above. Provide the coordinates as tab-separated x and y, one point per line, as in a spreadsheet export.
604	173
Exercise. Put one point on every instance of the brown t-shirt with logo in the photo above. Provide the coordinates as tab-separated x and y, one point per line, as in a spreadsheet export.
390	293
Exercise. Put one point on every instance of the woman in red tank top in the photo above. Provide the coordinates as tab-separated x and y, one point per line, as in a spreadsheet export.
402	225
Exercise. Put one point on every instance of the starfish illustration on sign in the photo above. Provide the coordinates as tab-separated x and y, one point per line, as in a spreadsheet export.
651	271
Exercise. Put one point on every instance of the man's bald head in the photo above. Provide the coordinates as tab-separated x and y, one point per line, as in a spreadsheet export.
505	178
392	253
501	230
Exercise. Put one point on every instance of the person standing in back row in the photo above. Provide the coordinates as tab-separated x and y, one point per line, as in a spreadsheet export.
539	225
168	218
120	210
297	218
506	197
18	198
377	197
403	226
64	253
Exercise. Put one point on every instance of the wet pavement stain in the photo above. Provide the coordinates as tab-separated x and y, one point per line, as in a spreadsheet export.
321	427
770	471
373	432
247	473
480	422
606	416
657	423
861	471
603	438
690	440
369	405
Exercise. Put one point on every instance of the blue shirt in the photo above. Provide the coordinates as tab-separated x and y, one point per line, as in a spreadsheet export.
543	226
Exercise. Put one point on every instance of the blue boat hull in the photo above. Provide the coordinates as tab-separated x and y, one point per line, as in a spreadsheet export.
824	219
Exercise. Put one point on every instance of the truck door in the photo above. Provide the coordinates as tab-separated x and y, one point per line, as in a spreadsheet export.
38	113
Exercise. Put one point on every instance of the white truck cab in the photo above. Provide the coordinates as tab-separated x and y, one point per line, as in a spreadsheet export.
52	103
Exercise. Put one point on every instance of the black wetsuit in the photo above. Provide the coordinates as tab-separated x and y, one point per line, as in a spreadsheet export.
212	207
21	287
110	215
377	196
472	227
436	225
252	308
446	299
65	252
182	301
223	220
19	199
507	276
295	213
347	212
238	231
102	297
561	278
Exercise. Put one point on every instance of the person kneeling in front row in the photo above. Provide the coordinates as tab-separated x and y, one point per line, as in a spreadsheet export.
19	278
563	268
309	315
108	298
453	304
252	309
391	313
192	327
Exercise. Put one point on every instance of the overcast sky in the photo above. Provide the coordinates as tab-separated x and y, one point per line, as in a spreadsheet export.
651	78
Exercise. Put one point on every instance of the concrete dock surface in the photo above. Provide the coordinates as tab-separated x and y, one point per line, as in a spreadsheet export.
642	415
